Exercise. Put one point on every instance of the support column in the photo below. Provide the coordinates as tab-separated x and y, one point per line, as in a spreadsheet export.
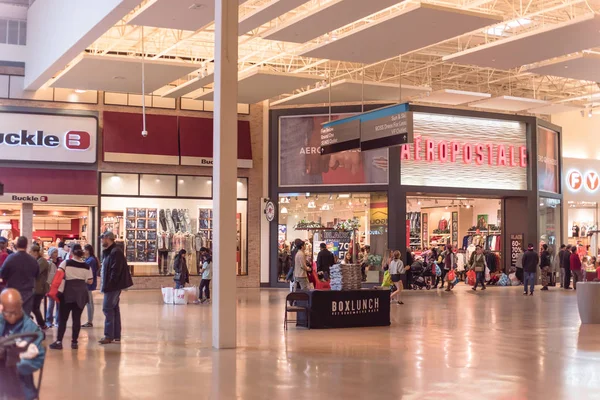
265	265
26	221
225	175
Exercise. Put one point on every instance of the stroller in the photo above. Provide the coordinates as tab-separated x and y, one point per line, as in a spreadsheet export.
9	357
421	276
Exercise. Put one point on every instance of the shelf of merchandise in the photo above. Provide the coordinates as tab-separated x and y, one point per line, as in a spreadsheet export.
141	235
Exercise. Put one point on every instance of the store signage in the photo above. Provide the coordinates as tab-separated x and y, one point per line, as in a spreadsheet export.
340	135
270	210
78	199
442	151
47	138
381	128
338	242
516	247
387	127
349	308
576	181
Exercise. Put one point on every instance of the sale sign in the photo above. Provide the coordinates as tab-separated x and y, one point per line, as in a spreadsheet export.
516	248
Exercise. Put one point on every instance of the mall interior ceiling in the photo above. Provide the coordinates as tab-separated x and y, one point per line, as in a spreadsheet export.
528	56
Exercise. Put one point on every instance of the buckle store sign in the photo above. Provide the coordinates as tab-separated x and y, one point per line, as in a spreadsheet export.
48	138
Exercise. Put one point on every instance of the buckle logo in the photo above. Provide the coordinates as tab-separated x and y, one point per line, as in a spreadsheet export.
77	140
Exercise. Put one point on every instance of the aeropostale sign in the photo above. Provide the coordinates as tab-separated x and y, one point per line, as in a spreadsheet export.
48	138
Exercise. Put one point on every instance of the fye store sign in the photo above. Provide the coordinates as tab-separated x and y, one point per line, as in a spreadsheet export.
48	138
588	180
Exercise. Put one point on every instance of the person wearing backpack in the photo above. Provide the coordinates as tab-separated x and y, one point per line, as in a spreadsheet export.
115	277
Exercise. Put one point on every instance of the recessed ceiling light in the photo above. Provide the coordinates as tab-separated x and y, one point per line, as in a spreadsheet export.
80	91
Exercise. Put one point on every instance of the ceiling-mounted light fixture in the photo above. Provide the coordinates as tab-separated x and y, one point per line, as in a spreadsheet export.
325	207
468	206
311	204
330	197
418	202
590	113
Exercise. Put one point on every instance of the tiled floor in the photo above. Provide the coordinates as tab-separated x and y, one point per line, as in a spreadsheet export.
461	345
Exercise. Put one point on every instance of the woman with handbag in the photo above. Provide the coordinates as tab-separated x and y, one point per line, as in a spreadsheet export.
69	288
478	264
182	274
398	275
450	261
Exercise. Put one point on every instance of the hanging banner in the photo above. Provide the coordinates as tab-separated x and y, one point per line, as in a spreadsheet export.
381	128
386	127
340	135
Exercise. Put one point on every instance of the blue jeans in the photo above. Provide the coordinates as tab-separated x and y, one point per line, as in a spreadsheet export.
112	312
480	279
179	285
529	277
50	311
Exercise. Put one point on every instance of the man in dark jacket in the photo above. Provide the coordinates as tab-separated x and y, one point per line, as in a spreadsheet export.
566	265
545	266
20	271
324	261
561	254
531	260
115	276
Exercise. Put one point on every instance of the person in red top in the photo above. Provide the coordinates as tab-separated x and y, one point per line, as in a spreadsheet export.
575	267
4	252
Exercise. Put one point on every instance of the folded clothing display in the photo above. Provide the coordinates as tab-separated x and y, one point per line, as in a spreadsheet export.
345	277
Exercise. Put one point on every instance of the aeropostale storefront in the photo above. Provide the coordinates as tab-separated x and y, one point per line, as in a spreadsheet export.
467	177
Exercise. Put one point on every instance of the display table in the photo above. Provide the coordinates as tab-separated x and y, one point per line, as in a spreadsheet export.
348	308
588	298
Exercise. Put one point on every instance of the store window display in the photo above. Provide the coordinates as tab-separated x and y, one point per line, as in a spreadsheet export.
346	222
582	225
460	222
153	230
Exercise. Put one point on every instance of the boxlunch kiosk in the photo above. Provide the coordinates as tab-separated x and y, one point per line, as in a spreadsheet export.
49	175
466	178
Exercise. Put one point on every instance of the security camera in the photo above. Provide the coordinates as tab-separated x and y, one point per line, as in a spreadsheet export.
144	133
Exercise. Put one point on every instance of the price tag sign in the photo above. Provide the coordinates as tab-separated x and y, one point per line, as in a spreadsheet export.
516	247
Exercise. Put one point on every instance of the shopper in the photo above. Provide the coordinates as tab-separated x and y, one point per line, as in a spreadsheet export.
409	261
41	284
365	263
76	274
398	275
531	260
478	264
92	261
545	266
347	258
300	268
519	264
115	277
19	271
450	261
63	251
566	265
561	254
206	278
53	262
325	261
575	265
182	274
4	251
13	321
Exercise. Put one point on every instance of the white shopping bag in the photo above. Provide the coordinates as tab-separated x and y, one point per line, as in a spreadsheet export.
167	294
487	274
192	292
180	296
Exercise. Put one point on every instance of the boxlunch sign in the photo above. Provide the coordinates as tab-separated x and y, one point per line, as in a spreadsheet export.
48	138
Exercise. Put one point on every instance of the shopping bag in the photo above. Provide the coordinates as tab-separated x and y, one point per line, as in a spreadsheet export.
167	294
180	296
192	292
451	275
438	270
503	281
487	274
471	278
387	279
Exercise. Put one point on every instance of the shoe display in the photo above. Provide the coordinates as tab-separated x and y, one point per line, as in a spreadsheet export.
56	345
105	340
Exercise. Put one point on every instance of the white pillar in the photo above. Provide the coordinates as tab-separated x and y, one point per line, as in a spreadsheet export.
26	221
264	224
225	175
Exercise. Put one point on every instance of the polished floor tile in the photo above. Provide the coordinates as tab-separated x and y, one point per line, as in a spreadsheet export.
495	344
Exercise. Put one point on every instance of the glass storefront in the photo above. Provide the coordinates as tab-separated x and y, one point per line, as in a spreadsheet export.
346	222
549	225
155	216
582	225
